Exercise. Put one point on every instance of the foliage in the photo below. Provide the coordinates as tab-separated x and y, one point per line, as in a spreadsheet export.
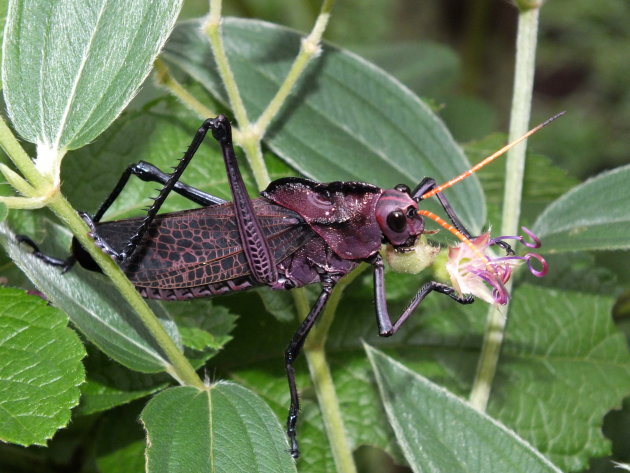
564	362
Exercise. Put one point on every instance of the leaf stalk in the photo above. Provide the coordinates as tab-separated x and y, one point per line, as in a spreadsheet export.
526	42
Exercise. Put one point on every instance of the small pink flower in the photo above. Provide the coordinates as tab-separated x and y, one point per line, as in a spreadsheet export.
474	272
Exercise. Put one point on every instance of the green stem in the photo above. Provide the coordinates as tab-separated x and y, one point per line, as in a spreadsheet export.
315	353
21	159
331	412
246	138
212	28
515	169
165	79
309	48
177	364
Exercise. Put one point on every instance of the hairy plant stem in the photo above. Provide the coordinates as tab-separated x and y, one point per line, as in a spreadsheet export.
38	190
315	352
309	48
247	139
515	169
165	79
176	363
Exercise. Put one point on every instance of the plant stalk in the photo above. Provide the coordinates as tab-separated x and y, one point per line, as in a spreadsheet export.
165	79
177	364
319	369
309	48
515	169
212	28
21	159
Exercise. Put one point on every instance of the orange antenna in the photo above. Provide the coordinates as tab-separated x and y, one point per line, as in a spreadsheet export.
489	159
444	224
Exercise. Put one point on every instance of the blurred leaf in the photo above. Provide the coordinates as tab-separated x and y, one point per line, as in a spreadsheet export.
95	308
71	67
278	303
467	117
3	212
225	428
40	370
120	442
592	216
203	325
543	182
4	6
346	120
577	272
427	68
438	431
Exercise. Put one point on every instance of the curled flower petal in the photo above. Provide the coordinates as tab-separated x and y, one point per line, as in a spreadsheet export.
538	273
536	241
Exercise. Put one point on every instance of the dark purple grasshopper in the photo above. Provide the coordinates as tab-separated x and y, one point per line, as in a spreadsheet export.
299	232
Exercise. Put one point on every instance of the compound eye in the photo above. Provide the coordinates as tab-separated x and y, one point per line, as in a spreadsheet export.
397	221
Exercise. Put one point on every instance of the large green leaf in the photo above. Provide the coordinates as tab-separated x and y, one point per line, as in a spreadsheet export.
94	307
427	68
40	368
70	67
592	216
346	119
563	367
225	428
439	432
110	384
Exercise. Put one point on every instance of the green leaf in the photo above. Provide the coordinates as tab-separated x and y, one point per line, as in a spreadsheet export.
71	67
225	428
592	216
439	432
4	6
564	365
428	68
204	326
110	384
3	212
164	137
120	442
40	369
94	307
278	303
346	119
